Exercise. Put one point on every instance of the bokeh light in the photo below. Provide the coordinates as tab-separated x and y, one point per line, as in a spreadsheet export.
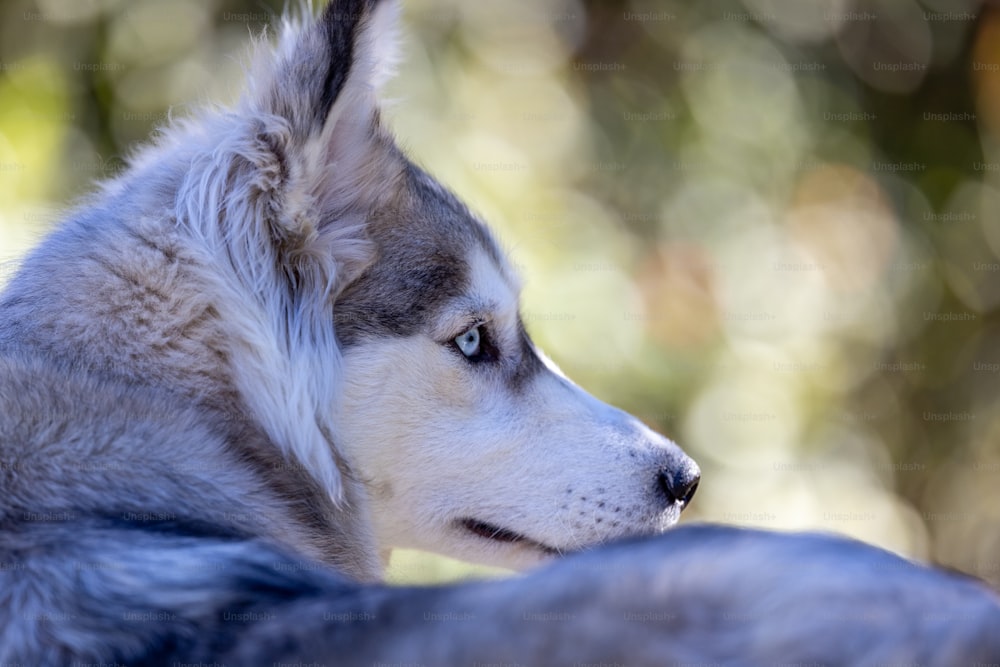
769	229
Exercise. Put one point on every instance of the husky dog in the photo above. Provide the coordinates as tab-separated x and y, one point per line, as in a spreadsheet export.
275	349
275	325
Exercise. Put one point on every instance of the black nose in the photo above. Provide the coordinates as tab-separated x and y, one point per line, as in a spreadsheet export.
679	485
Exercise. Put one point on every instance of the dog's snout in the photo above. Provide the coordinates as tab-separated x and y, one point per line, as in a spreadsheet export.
679	484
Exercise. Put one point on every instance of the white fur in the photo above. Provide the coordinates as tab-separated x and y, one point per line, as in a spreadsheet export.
289	359
551	463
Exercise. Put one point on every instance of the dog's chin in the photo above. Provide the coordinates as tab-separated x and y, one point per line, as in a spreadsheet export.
494	544
497	545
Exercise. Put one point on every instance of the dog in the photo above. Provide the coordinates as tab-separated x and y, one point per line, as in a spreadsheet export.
276	325
274	349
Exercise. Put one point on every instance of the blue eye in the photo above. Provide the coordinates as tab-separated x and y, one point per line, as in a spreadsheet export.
468	342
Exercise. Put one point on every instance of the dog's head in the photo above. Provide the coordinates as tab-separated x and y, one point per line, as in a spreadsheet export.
468	440
471	441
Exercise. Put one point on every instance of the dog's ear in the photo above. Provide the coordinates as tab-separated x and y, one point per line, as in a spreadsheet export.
284	201
315	101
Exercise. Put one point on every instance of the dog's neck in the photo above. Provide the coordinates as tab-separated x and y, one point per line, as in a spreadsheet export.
143	303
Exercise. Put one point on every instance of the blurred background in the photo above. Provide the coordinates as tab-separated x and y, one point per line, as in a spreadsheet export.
770	229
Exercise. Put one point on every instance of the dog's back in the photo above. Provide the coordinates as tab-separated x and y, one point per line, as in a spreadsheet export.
698	595
125	518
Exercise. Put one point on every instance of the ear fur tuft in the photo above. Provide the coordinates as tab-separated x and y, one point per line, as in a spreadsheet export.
282	202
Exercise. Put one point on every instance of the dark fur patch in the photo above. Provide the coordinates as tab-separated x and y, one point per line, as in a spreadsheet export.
340	25
530	364
422	245
170	527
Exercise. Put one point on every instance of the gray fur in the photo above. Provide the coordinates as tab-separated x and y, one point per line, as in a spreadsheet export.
170	490
698	595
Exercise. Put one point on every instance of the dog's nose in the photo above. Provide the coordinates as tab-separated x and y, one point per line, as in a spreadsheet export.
679	484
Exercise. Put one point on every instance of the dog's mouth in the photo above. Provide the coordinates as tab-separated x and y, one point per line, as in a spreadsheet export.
488	531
